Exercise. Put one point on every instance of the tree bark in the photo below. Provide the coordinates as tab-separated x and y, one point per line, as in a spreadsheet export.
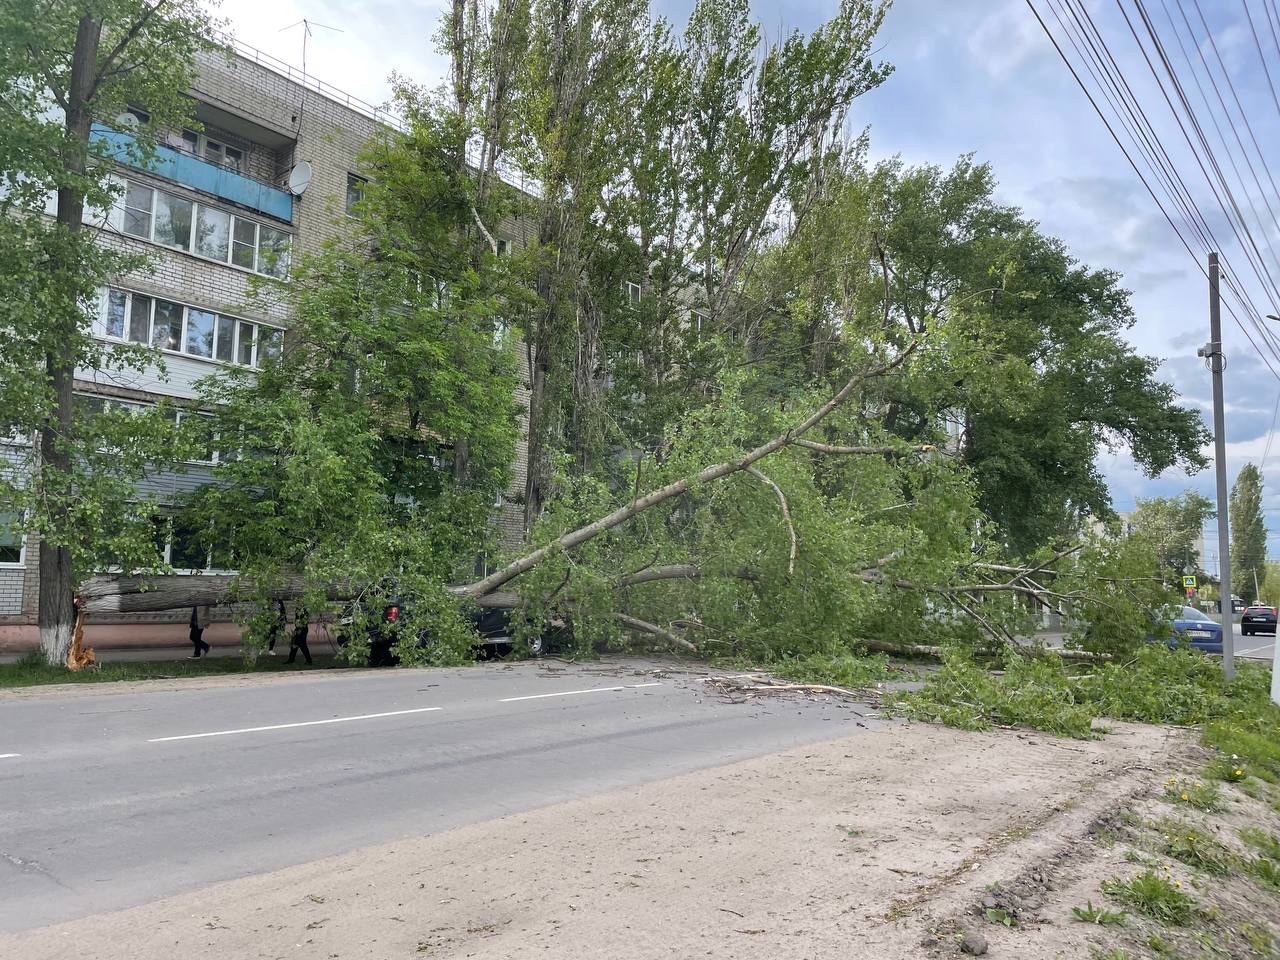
153	594
56	615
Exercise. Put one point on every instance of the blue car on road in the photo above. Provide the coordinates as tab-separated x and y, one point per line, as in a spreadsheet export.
1200	630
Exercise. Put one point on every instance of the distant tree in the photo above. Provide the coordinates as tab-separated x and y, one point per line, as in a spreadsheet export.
1248	534
1172	526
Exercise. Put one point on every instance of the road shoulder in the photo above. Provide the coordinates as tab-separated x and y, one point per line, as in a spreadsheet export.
874	840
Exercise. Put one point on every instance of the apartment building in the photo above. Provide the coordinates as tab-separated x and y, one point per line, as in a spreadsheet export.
269	176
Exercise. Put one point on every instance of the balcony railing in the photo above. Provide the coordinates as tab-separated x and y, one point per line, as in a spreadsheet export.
199	174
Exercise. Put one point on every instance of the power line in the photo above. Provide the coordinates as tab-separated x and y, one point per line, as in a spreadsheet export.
1112	86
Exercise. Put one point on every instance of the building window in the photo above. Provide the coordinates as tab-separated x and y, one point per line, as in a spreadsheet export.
166	325
245	351
355	191
173	221
139	319
137	210
142	116
502	247
116	301
225	339
213	234
244	244
273	252
201	327
223	154
177	328
13	539
634	293
198	424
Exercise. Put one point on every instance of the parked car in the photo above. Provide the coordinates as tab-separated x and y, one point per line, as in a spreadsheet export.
1258	619
492	624
1200	630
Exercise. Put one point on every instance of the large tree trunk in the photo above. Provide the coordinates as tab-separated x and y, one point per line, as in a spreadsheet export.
57	580
153	594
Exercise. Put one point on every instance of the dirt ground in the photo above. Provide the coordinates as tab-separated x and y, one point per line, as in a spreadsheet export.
880	845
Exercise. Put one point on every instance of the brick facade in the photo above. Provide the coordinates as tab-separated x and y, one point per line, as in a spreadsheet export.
251	103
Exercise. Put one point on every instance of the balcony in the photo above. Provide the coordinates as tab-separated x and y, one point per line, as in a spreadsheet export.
200	174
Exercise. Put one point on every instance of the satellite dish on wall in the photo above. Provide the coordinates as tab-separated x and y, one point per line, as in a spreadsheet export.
126	121
300	178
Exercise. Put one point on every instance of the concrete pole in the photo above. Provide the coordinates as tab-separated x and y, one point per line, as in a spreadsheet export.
1213	351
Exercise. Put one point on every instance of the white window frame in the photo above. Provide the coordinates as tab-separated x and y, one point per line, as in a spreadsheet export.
635	293
215	454
21	562
261	329
116	216
202	146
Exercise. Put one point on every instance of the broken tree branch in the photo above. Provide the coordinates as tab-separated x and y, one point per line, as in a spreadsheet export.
786	515
644	626
680	571
888	451
716	471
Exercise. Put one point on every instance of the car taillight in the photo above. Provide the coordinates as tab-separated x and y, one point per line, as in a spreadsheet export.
392	614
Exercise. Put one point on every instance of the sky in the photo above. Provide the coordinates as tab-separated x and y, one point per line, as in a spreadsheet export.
971	76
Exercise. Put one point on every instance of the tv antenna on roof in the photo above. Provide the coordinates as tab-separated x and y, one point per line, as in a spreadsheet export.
306	35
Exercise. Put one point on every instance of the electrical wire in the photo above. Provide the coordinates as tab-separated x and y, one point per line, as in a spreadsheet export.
1095	56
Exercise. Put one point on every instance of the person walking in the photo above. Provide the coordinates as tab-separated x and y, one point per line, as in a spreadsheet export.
275	629
196	635
301	627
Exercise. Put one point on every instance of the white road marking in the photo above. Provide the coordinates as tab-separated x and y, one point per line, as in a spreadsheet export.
570	693
6	756
289	726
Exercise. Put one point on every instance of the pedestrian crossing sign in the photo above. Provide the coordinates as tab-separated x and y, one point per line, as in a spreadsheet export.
1189	582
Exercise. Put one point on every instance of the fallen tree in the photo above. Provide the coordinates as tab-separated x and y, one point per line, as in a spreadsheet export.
138	594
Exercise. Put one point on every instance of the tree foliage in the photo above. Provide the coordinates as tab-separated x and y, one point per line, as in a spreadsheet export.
374	450
66	65
708	268
1173	527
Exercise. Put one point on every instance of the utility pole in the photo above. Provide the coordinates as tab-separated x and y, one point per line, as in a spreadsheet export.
1212	351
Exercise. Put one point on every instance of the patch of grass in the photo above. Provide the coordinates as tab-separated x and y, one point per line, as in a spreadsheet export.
1260	939
1231	769
1182	841
1268	844
1153	896
1249	732
1265	871
32	671
1160	946
1099	915
1252	788
1194	793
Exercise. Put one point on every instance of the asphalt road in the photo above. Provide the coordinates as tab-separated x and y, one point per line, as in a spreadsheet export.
112	799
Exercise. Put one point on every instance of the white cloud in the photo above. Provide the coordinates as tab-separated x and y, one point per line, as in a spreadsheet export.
1005	39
